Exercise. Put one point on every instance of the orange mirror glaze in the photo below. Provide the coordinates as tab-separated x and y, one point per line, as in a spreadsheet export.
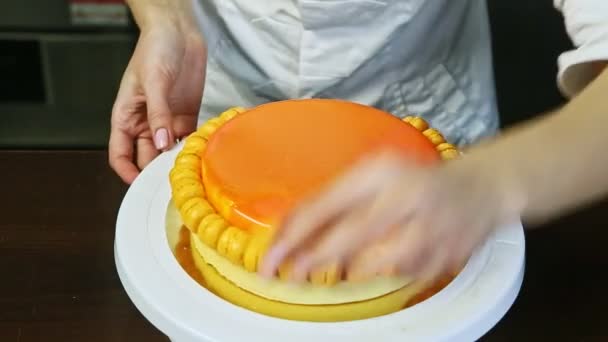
268	158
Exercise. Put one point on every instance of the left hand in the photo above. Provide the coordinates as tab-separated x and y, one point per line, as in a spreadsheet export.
387	215
159	95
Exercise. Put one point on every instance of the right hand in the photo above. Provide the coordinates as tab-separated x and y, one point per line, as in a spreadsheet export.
159	96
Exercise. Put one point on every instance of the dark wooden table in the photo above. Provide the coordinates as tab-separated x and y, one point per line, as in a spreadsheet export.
59	283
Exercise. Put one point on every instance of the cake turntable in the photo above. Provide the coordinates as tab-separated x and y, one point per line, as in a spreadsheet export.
147	234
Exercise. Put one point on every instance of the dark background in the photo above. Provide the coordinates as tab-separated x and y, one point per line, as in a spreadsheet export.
528	37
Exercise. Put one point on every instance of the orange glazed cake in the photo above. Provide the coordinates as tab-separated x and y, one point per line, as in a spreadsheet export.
240	173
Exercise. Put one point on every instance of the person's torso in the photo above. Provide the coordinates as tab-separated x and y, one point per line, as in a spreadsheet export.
425	57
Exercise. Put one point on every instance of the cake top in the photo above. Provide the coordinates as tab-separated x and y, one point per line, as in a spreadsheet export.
264	160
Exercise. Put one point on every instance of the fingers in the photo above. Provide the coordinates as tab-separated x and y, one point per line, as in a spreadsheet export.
338	241
184	125
431	268
311	216
360	182
409	220
361	266
146	151
409	251
361	226
120	146
405	249
186	95
157	88
120	153
414	252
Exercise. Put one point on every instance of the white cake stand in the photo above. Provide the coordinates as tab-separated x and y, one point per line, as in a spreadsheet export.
464	311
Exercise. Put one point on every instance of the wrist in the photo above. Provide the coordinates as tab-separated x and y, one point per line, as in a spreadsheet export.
149	14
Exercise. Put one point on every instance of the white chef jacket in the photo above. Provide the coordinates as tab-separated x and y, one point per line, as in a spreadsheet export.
587	26
430	58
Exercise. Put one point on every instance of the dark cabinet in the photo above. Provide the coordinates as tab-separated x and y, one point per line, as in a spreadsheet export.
60	67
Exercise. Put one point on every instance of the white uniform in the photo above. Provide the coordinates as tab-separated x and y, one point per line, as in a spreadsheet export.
587	26
425	57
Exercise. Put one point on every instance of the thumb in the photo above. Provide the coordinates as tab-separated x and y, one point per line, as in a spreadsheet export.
160	118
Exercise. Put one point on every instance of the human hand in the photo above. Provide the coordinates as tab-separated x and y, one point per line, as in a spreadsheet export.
159	96
388	216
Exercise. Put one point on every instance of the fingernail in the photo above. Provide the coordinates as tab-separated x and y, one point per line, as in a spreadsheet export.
161	138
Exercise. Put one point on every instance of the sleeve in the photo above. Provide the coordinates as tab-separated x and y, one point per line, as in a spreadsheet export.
587	26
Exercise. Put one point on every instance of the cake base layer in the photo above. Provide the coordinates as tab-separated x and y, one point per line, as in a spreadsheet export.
206	276
227	290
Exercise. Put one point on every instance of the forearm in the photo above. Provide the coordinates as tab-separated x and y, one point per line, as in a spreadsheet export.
557	163
148	13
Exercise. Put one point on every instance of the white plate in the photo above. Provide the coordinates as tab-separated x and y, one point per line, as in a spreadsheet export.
465	310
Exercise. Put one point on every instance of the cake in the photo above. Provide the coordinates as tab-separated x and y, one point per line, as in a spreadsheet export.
241	172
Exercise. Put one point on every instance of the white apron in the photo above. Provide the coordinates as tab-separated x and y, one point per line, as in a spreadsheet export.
430	58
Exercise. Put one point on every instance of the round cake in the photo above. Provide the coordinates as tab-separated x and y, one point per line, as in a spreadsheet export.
241	172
